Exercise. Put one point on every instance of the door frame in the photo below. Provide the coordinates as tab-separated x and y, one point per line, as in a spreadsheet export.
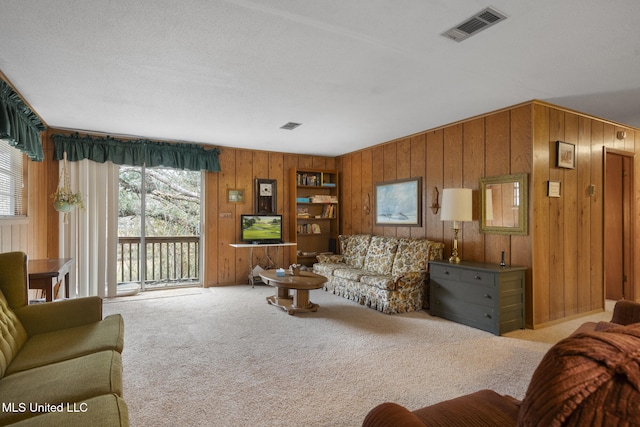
629	284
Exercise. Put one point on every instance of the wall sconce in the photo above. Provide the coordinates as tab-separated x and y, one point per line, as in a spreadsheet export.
434	200
621	134
456	206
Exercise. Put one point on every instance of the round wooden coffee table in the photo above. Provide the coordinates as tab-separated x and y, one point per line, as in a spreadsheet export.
300	284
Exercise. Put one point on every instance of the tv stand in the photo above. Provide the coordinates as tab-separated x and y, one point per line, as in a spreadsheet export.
265	248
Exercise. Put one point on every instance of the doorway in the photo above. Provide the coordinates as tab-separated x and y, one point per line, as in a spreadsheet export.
159	222
618	224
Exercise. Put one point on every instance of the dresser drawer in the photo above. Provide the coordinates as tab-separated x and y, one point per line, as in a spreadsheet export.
444	272
464	312
462	291
476	277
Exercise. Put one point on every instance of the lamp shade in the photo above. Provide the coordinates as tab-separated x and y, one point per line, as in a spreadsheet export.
456	204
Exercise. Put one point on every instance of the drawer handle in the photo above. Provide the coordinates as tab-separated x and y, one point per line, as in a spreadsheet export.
487	296
487	315
446	272
478	277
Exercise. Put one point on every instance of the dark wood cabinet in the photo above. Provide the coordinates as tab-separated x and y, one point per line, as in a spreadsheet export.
485	296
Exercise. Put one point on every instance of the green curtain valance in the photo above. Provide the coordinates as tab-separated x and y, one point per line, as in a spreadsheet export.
136	152
19	125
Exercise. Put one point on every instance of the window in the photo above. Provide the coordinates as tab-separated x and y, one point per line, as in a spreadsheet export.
11	182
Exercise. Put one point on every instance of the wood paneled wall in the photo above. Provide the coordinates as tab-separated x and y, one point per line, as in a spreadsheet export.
564	247
223	265
568	232
453	156
226	265
34	236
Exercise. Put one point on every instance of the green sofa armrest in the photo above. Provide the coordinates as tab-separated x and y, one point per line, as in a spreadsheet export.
53	316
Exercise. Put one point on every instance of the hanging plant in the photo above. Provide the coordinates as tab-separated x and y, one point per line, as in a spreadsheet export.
64	199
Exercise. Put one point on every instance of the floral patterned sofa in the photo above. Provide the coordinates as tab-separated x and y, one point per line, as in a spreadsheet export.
389	274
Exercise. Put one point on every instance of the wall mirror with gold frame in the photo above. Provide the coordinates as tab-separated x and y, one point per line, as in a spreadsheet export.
503	204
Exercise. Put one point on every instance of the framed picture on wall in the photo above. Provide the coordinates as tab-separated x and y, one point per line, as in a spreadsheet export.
399	202
566	155
235	195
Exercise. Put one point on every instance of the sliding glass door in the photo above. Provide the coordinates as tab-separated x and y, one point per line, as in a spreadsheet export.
159	221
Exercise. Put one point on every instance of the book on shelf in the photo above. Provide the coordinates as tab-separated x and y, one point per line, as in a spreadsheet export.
309	179
309	229
324	198
329	211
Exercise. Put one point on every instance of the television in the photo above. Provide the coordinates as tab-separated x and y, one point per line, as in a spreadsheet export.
261	229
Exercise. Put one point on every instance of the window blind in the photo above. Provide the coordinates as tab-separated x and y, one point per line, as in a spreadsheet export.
11	185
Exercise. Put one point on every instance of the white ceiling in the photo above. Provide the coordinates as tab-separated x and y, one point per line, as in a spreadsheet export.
355	73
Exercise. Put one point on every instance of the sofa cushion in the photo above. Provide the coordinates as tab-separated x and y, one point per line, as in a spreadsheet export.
73	380
64	344
380	281
326	269
380	255
103	411
13	335
591	379
356	249
412	255
353	274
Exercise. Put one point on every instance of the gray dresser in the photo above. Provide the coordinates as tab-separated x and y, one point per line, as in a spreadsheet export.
485	296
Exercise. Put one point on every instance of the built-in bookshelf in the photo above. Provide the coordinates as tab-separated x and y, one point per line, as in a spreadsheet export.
314	213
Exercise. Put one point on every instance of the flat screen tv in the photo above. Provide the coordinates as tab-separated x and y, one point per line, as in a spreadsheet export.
261	229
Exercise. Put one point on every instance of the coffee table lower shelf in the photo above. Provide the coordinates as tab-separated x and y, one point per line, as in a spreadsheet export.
293	290
288	304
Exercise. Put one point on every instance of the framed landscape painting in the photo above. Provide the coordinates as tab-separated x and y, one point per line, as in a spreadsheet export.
399	202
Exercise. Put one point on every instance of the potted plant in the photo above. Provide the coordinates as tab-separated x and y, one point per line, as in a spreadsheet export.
64	199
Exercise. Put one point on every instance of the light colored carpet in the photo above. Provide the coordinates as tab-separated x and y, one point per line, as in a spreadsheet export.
224	357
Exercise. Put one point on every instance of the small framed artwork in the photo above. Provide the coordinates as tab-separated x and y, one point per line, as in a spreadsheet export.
566	155
553	188
399	202
265	196
235	195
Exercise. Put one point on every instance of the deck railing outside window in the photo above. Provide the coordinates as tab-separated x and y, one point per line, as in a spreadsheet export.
170	260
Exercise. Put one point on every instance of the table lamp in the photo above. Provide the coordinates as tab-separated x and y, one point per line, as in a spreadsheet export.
456	207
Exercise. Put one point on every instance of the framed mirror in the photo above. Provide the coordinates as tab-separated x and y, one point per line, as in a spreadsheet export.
503	204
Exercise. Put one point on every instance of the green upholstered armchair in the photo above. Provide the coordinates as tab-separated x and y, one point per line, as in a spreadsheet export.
41	318
57	352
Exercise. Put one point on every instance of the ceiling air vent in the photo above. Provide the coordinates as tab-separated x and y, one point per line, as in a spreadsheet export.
480	21
290	126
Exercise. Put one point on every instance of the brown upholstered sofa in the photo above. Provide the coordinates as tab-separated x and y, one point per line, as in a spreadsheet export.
590	378
60	362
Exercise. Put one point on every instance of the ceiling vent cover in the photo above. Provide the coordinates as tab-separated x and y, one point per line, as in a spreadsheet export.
290	126
480	21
